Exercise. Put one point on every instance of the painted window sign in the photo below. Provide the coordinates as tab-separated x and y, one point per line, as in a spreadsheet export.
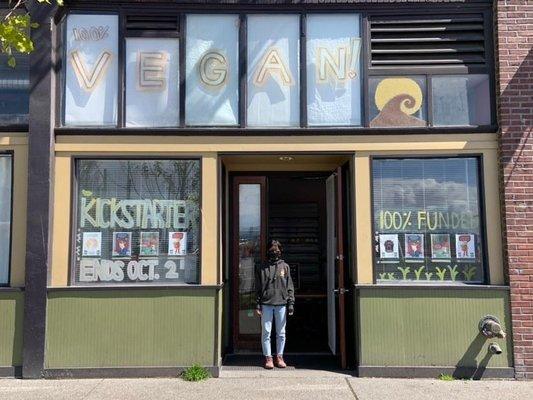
273	74
138	222
427	220
269	69
91	89
212	70
152	73
397	102
6	184
333	69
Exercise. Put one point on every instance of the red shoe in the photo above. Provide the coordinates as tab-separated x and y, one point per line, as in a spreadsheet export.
268	363
279	362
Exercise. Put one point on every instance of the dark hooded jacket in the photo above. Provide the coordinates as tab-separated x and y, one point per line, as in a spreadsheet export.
274	285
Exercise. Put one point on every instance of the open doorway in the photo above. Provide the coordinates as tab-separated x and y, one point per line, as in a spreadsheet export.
303	210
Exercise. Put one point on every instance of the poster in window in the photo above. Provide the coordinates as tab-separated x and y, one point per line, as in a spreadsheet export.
388	246
465	246
414	246
149	245
177	243
92	244
440	246
121	244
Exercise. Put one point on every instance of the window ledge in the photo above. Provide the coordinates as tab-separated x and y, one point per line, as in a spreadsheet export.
132	287
460	286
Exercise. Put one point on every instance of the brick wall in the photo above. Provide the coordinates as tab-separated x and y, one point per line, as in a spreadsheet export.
514	40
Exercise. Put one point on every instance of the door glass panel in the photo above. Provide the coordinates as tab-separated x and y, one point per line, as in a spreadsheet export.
249	255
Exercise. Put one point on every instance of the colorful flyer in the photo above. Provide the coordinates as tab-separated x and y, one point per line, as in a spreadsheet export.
414	246
92	244
465	246
177	243
149	245
121	244
388	246
440	246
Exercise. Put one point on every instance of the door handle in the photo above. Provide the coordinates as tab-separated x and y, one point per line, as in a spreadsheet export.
341	290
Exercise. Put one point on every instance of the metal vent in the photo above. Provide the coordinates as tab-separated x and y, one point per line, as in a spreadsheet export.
427	41
154	23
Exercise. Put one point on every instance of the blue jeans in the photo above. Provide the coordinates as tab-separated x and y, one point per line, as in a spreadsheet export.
268	313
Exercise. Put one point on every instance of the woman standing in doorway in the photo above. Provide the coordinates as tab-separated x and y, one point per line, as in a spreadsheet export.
275	298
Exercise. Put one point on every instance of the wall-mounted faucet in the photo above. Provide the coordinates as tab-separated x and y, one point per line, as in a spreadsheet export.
494	348
490	327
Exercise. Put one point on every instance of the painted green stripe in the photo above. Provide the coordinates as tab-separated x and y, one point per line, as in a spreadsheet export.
135	328
11	319
419	327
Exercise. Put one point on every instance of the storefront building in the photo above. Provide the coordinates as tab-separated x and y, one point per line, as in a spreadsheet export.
167	141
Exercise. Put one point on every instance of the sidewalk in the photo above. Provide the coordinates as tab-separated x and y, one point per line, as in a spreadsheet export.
250	385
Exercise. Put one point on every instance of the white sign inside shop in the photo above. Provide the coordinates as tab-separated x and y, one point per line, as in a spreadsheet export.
148	270
212	72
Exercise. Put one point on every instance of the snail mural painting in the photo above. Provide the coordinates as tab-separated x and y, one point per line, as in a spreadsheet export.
397	100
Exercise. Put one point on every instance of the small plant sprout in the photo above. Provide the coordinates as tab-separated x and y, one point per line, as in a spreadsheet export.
441	273
383	276
391	276
405	271
453	272
469	273
428	275
418	272
446	377
195	373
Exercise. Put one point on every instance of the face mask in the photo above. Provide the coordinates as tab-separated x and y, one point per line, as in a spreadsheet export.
274	255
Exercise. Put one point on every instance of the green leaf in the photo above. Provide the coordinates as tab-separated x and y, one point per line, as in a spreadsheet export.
12	62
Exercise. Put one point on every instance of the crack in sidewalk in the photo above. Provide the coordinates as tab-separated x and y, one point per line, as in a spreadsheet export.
351	388
93	389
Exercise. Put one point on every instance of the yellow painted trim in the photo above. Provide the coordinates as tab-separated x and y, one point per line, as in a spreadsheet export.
493	216
203	144
209	254
13	139
60	260
363	213
18	145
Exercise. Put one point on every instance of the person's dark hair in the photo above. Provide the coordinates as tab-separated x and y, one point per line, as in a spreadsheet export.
275	243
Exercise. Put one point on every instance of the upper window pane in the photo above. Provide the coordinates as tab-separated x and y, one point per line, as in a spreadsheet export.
212	64
273	70
152	80
14	90
333	69
397	101
5	216
427	222
138	222
461	100
91	70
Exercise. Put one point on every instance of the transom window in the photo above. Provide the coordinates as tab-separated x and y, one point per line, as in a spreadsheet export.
269	71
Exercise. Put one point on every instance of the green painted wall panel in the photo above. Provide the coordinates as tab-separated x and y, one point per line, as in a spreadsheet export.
431	327
11	318
135	328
